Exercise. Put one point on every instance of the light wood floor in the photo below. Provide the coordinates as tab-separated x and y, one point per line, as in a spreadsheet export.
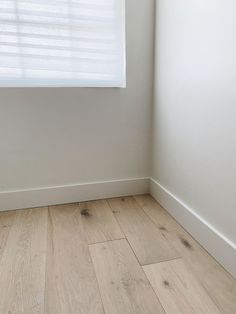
123	255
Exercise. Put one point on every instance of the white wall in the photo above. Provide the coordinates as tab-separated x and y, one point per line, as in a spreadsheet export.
51	137
194	142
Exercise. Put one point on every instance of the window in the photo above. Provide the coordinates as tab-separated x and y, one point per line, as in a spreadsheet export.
62	43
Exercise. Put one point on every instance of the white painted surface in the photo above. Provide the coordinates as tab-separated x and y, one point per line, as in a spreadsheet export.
67	136
194	142
45	196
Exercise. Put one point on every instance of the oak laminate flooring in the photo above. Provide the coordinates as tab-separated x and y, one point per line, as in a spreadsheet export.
23	262
220	285
6	221
99	222
178	289
123	285
149	245
71	285
46	265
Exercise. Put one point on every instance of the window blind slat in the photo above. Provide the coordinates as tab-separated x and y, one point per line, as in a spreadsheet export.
50	37
59	67
76	25
50	42
70	16
51	57
54	48
56	5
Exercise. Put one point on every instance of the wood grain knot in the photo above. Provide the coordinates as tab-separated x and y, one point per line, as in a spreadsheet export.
85	212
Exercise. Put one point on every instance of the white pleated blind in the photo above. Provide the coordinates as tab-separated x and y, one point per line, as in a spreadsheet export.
62	43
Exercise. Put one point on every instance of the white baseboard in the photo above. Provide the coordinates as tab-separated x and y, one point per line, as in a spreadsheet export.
45	196
211	239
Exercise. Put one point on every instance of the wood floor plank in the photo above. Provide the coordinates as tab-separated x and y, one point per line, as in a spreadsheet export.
123	285
71	285
99	222
178	289
149	245
6	221
220	285
23	264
